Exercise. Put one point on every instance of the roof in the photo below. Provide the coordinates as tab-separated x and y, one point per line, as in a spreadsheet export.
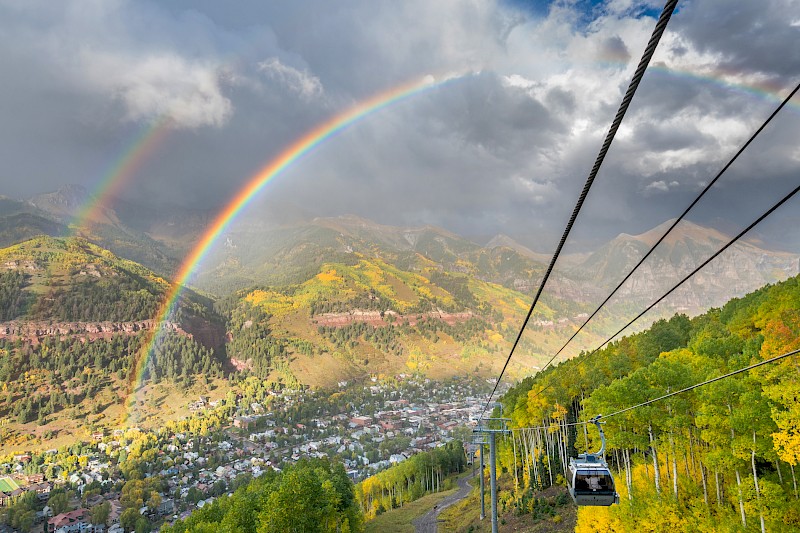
71	517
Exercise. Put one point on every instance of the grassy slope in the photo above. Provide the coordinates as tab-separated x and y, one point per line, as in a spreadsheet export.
464	516
400	519
154	405
340	283
58	263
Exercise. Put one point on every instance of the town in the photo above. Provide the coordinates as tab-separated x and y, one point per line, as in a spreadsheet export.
138	479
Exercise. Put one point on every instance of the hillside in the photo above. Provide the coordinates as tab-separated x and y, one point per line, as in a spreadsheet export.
292	253
288	253
720	457
366	317
339	299
122	229
74	319
284	245
741	269
72	279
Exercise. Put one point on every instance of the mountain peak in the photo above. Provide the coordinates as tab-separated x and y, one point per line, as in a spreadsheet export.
63	202
685	230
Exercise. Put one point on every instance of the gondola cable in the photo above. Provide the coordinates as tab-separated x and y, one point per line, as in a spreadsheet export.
707	382
658	31
590	481
674	224
669	395
688	276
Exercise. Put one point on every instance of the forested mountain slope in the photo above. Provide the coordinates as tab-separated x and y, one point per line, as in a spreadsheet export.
720	457
74	320
366	316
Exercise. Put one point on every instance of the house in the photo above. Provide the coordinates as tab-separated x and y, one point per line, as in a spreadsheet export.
42	490
34	478
44	514
243	422
166	507
7	497
115	513
75	521
360	421
94	500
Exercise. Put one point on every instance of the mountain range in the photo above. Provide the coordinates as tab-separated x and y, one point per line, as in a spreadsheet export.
254	252
314	301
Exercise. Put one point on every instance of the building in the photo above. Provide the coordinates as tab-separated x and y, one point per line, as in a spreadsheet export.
75	521
166	507
360	421
243	422
42	490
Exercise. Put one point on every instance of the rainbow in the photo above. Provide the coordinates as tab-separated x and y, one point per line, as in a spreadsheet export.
765	90
120	172
303	146
286	158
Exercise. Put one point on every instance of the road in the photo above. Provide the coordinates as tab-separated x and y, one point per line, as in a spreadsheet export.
427	523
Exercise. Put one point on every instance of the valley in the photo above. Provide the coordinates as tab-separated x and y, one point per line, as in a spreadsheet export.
329	300
272	267
333	320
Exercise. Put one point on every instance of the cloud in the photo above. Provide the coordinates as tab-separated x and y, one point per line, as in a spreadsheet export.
159	85
661	186
300	82
119	52
502	149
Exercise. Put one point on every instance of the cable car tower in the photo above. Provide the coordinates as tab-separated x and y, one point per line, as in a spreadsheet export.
591	482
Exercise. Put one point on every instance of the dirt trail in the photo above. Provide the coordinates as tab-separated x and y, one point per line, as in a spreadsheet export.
428	522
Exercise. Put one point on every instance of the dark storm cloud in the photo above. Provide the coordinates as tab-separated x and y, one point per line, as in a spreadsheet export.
614	49
745	36
662	138
461	159
503	149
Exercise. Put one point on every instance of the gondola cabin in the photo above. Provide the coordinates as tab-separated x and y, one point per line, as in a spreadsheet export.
591	481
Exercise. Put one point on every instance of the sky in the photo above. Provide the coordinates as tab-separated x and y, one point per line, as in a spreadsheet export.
504	146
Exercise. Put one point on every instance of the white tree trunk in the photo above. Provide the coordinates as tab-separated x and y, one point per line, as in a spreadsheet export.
741	501
674	467
705	485
628	477
755	481
655	460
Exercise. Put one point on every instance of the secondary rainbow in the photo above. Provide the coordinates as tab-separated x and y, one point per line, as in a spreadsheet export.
120	173
290	155
768	91
773	92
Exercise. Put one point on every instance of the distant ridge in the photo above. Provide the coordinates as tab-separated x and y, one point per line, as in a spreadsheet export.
63	203
741	269
504	241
